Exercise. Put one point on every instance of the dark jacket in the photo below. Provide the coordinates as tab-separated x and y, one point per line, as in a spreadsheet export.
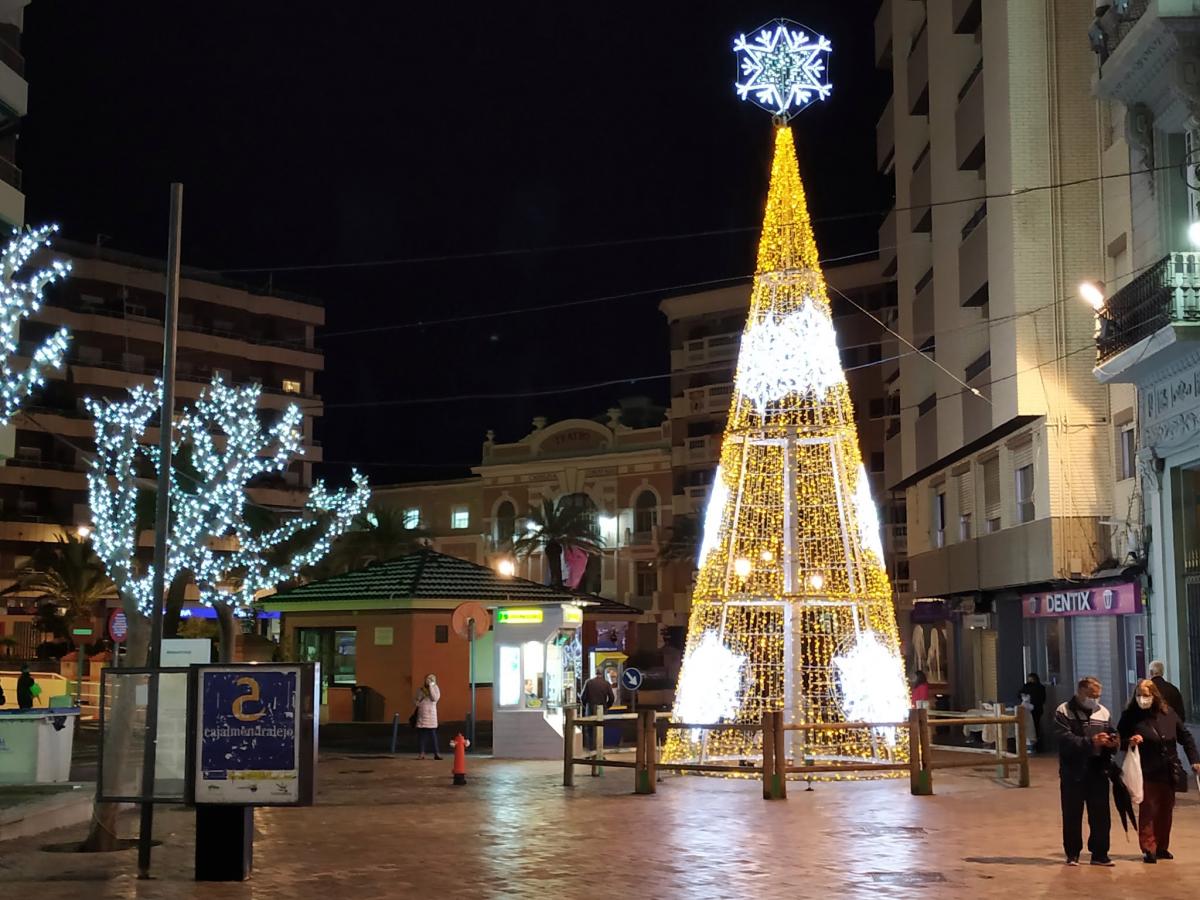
1078	758
1171	695
24	691
1037	695
597	692
1161	733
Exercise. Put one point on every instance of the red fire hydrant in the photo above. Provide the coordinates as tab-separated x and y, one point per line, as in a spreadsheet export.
460	745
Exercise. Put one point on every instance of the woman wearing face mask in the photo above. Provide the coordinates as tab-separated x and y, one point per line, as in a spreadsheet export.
427	721
1149	724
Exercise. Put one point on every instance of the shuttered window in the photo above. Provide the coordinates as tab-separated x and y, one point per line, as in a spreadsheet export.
966	504
991	493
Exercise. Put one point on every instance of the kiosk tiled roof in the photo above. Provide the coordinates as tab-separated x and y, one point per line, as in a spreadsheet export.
428	575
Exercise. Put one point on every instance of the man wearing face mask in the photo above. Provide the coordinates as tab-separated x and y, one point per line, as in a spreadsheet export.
1086	743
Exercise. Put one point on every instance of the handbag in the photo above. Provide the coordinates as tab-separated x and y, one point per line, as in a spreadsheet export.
1174	766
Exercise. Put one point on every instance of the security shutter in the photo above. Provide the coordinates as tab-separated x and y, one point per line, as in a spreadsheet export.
1095	654
991	487
1023	455
966	494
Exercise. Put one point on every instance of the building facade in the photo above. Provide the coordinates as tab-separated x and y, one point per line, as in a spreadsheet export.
14	103
1006	447
113	306
1148	322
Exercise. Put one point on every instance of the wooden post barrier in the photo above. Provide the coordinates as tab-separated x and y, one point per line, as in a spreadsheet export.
915	781
780	756
768	756
569	748
1022	753
644	770
926	743
598	741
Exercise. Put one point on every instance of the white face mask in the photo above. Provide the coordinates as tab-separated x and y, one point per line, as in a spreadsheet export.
1145	702
1089	702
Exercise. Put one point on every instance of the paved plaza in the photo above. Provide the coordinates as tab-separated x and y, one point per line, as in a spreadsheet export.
397	828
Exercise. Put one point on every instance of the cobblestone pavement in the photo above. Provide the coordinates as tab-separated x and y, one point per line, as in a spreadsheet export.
397	828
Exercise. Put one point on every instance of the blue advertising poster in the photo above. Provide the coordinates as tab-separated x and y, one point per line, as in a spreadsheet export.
248	741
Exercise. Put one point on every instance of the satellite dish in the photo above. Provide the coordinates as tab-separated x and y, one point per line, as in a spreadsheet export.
466	612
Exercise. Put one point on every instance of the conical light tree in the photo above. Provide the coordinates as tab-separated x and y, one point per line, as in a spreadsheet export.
792	607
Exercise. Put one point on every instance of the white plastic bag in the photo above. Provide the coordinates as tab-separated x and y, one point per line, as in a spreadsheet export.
1131	775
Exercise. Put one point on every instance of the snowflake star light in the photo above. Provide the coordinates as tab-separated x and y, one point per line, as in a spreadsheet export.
714	681
870	688
783	67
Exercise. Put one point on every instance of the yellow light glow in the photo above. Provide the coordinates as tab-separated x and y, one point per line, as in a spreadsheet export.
521	615
790	470
506	567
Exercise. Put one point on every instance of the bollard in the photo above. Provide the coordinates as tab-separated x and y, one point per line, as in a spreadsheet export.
569	748
460	745
395	731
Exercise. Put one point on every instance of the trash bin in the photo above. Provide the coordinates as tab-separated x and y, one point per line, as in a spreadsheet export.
35	745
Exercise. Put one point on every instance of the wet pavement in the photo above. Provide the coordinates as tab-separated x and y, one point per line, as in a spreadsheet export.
398	828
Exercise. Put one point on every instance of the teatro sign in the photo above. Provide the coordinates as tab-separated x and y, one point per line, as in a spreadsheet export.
1122	599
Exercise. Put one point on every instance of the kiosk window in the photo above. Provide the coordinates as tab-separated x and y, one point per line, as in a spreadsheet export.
510	676
533	653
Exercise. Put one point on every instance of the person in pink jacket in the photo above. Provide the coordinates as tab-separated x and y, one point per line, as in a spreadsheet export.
427	721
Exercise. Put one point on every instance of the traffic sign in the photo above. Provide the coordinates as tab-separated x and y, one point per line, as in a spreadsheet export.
631	678
118	626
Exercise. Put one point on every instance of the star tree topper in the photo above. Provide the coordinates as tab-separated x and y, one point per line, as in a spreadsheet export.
783	67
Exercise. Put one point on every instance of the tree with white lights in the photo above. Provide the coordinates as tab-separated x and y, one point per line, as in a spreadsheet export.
19	298
792	609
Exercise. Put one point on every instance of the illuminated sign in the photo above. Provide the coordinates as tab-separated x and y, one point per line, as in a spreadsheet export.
525	615
572	615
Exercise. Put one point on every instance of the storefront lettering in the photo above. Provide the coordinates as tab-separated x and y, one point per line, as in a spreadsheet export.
1076	601
1168	398
1113	599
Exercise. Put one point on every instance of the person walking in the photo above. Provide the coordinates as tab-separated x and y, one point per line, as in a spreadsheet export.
920	689
597	694
1150	724
1169	692
1086	742
25	688
427	719
1035	692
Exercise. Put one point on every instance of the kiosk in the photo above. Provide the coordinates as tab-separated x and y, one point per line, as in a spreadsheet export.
538	660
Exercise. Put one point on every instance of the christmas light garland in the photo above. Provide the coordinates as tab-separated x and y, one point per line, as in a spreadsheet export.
226	448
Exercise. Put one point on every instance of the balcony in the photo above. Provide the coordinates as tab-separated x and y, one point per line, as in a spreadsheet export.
706	351
883	36
885	139
927	432
696	450
897	538
888	238
1155	315
973	260
702	401
923	308
918	73
977	411
969	123
966	15
1145	58
920	214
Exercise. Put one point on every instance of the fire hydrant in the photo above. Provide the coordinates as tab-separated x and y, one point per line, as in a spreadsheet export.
460	745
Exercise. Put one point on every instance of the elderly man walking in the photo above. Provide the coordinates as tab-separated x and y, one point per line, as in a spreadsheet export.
1086	742
1169	692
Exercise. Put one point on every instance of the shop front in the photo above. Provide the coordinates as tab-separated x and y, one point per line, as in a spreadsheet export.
1086	629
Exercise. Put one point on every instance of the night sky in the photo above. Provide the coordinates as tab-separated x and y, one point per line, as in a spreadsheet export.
329	133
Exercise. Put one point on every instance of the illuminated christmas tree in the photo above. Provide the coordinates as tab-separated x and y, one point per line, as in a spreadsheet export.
792	608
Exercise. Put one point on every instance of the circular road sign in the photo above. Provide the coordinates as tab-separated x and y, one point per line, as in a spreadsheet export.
631	678
118	626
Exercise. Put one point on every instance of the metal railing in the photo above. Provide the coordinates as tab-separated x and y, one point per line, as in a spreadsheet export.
1167	292
774	766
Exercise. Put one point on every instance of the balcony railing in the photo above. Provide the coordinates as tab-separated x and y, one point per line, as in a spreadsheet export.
1169	292
1117	22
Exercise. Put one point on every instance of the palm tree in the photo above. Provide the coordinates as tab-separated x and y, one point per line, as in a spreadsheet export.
65	575
555	528
378	536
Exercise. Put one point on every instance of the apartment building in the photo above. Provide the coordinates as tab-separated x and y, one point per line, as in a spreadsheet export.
14	103
1005	450
113	306
1149	308
705	331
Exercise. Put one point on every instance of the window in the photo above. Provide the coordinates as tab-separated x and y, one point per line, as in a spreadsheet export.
964	526
1024	484
290	386
534	688
939	519
460	517
876	462
991	493
902	569
646	576
966	504
506	521
412	517
510	676
1128	453
334	649
645	513
441	634
876	408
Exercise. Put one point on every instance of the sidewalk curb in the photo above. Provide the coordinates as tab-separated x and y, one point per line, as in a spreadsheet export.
56	811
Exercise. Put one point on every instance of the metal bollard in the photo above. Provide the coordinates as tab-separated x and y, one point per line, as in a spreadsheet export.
395	731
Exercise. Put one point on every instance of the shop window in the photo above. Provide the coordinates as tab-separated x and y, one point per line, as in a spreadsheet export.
334	648
441	634
1024	485
1128	453
534	687
460	517
412	517
939	519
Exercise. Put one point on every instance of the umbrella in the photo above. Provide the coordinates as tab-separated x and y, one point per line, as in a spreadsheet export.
1121	798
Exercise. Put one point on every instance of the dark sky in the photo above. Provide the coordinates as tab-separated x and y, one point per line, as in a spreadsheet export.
314	133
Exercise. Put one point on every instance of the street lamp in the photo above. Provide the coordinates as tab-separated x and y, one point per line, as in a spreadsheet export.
506	568
1091	292
84	532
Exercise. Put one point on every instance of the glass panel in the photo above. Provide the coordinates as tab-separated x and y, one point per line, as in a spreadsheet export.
344	645
510	676
554	675
123	740
534	655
